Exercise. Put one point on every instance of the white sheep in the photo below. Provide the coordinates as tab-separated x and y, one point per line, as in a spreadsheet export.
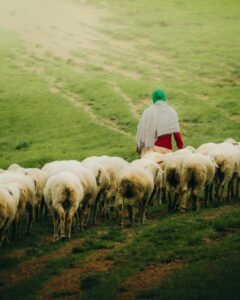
113	165
27	202
205	148
227	159
39	178
86	179
172	172
63	194
236	177
103	183
136	184
9	201
192	180
156	172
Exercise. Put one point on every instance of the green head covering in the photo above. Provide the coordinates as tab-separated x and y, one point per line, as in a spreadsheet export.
158	95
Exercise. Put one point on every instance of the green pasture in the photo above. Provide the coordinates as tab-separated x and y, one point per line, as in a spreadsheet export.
188	48
53	107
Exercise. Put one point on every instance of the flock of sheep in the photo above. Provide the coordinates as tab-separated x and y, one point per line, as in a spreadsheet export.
75	193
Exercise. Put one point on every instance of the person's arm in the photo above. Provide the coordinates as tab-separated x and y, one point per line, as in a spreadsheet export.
178	139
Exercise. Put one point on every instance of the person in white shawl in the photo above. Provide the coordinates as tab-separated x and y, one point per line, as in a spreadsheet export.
157	125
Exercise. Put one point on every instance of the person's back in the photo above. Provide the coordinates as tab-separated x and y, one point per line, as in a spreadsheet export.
159	122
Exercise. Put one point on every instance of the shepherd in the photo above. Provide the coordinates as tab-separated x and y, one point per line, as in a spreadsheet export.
158	123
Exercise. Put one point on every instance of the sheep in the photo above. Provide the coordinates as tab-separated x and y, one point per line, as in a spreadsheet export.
156	172
227	159
9	201
172	173
63	194
86	179
211	170
205	148
236	176
39	178
103	183
136	184
27	200
185	151
192	179
113	165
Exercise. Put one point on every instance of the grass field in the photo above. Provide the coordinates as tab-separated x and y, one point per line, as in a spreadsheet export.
74	80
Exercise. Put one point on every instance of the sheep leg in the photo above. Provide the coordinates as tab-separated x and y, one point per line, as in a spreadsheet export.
175	201
62	216
169	199
82	216
143	204
55	225
206	195
30	218
131	213
98	198
153	197
237	187
120	204
69	221
195	201
230	189
164	196
4	231
211	192
184	201
221	192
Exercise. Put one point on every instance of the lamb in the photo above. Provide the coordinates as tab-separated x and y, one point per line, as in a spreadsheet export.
136	184
63	194
9	201
27	196
192	180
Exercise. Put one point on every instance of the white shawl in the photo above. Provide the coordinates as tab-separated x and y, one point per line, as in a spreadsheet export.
158	119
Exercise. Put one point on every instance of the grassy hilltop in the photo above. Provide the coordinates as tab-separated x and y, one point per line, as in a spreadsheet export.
89	101
70	89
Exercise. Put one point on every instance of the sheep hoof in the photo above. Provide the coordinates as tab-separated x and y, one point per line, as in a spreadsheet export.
183	210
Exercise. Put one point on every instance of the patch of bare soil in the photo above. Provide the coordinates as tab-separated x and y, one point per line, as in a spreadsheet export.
30	267
216	214
68	282
146	279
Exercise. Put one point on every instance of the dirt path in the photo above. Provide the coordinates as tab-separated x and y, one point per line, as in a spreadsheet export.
146	279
